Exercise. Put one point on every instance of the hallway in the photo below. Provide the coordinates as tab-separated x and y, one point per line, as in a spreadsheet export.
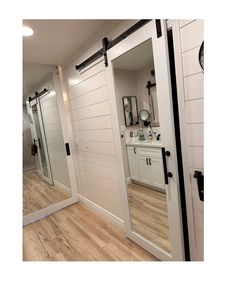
77	233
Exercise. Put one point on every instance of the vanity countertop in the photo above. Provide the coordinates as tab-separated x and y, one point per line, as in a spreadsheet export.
146	143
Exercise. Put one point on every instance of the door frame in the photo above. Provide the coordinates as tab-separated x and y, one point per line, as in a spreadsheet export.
175	26
67	133
50	178
166	121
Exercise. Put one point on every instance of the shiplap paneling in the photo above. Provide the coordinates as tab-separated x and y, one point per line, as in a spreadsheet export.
194	86
198	219
197	203
91	111
199	240
97	147
194	111
104	160
93	140
190	62
93	97
105	135
195	134
103	122
88	85
185	22
196	157
99	170
192	35
101	191
74	77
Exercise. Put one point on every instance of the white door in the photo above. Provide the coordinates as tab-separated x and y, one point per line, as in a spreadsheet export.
144	168
157	172
133	163
159	47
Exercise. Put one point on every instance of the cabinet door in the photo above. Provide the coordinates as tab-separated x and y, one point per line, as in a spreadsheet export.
157	172
144	170
133	164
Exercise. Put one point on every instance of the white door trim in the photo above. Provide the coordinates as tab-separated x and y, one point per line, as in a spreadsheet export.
167	123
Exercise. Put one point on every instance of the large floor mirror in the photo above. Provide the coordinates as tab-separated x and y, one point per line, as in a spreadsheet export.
46	177
145	126
134	72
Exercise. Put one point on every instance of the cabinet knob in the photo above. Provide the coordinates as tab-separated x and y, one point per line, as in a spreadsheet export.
169	174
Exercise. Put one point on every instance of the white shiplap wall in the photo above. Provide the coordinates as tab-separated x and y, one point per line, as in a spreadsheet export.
93	146
191	33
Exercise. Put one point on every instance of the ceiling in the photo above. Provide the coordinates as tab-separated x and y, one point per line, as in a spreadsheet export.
136	58
54	42
32	78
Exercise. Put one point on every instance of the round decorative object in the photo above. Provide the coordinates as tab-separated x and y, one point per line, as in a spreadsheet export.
201	56
144	115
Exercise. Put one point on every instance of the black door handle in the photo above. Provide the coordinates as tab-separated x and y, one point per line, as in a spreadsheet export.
150	161
200	184
67	149
166	174
147	161
134	150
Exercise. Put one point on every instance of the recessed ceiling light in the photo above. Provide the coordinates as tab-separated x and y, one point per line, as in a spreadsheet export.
27	31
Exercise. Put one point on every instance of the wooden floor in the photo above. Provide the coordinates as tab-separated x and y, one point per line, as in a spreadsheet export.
149	218
38	194
77	233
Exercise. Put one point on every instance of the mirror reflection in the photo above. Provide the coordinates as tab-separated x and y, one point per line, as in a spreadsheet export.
45	171
130	110
141	145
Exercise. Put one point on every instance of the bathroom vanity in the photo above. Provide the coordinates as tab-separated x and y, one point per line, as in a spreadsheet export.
145	163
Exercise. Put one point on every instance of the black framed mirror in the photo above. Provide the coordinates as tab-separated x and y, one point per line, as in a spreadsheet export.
130	110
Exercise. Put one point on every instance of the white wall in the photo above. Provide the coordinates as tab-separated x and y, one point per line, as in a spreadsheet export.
93	144
143	75
191	37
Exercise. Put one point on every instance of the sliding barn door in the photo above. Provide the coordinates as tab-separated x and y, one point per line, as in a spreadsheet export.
154	36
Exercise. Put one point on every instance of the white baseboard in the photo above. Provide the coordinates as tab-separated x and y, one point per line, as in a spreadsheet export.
91	205
128	180
62	187
29	168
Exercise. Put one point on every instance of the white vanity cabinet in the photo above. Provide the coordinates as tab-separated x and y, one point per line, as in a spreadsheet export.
133	163
145	164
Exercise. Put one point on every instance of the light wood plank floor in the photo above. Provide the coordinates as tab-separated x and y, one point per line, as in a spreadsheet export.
38	194
149	217
77	233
